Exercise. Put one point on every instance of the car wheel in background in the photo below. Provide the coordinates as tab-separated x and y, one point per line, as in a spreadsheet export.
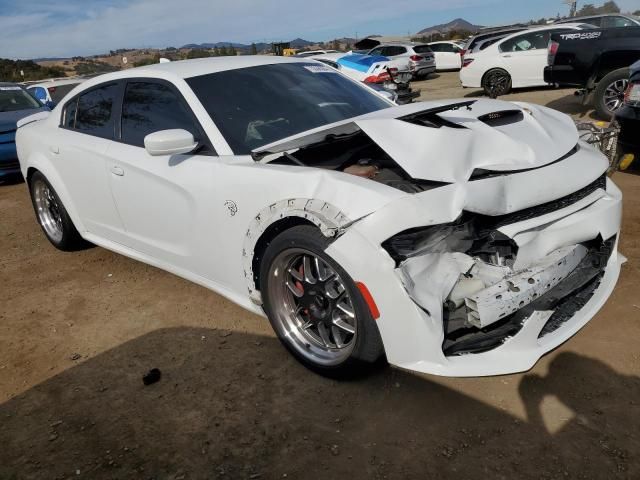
496	82
52	216
609	93
315	308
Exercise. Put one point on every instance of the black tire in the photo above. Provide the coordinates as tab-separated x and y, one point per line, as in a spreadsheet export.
615	80
496	82
367	348
69	239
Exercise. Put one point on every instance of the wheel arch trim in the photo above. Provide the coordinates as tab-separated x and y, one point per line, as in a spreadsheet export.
288	213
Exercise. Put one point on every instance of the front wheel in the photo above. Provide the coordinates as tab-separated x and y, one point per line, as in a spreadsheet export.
314	306
496	82
52	216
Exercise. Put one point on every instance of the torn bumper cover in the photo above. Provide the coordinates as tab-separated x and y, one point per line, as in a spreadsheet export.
472	309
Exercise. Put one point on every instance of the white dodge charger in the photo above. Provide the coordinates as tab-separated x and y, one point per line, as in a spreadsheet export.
456	238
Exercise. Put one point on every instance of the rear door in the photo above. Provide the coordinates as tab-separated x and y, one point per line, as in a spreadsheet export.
161	199
525	57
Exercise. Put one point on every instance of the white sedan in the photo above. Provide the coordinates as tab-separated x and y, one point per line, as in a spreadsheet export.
516	61
456	238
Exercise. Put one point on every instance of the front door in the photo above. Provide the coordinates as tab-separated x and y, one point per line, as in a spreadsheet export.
161	199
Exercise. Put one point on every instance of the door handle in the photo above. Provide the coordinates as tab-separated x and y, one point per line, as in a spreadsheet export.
117	171
506	56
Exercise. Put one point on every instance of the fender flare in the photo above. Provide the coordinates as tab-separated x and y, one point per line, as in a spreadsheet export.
329	219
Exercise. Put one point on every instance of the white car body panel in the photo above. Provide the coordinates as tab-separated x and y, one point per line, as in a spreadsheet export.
526	68
200	217
447	60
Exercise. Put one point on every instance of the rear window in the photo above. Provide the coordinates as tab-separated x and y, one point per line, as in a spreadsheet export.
426	48
93	112
259	105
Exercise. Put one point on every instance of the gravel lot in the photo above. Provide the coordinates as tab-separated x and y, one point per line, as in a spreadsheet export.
78	331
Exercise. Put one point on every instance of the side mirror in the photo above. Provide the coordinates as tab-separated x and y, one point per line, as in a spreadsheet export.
169	142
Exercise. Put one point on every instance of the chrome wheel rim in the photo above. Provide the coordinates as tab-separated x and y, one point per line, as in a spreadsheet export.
313	309
48	210
614	94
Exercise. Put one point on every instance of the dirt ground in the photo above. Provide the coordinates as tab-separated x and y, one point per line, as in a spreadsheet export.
78	331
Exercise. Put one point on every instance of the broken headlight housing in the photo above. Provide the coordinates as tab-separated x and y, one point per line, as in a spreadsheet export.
451	237
469	234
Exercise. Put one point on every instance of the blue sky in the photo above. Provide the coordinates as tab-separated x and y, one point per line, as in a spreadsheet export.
48	28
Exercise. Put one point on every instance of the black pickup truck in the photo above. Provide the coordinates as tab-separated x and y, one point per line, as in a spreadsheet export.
596	62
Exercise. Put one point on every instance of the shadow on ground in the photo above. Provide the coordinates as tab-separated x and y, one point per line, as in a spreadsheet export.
252	418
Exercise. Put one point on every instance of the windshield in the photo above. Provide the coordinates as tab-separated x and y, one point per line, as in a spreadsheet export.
14	98
259	105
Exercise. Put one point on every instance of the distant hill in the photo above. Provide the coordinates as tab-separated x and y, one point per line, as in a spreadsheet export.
457	24
217	44
296	43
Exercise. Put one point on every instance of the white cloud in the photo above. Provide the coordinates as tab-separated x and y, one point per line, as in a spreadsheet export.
73	29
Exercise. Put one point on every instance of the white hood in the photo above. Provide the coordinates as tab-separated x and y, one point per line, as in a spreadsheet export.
536	137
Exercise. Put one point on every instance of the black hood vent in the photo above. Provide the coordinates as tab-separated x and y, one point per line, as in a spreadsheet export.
502	117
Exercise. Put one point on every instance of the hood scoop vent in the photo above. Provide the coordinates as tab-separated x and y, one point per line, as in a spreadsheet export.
430	117
502	117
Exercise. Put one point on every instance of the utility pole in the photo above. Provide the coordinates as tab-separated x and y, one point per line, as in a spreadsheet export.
573	7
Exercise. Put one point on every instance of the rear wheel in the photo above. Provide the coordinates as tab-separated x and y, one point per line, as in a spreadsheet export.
314	306
609	94
496	82
52	216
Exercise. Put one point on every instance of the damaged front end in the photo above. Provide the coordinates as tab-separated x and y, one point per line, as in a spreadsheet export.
479	270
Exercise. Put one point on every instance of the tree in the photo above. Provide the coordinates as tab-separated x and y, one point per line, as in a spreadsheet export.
253	50
610	7
147	61
232	51
223	51
335	45
637	12
198	53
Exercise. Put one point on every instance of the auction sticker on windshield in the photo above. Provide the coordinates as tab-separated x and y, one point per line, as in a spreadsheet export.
319	69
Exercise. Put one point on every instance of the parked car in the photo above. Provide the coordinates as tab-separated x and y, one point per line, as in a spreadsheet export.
312	53
376	72
609	20
516	61
628	118
456	238
448	55
417	57
597	63
471	44
15	103
50	92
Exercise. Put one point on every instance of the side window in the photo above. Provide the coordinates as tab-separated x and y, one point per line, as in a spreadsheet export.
69	118
617	22
94	111
150	107
596	21
528	41
435	47
393	51
376	51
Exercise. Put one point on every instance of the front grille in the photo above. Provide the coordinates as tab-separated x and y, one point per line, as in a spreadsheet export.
493	223
565	299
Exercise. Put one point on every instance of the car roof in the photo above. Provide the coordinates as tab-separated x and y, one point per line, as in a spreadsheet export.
184	69
586	17
8	84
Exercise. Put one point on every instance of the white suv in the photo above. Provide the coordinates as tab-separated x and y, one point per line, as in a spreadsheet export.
420	59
